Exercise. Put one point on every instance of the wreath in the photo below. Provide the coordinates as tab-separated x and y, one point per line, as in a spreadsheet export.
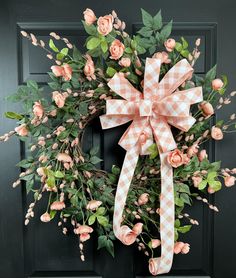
114	77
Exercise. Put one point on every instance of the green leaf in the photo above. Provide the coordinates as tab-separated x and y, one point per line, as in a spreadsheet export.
102	220
184	229
185	53
50	181
110	71
90	29
52	214
13	115
166	30
211	176
63	135
185	198
178	46
185	43
32	85
115	170
76	54
179	202
102	241
92	219
101	211
64	51
202	184
94	150
177	223
157	24
184	188
29	186
83	108
147	18
104	46
153	151
52	46
59	174
110	247
128	50
95	160
211	74
93	43
145	31
216	185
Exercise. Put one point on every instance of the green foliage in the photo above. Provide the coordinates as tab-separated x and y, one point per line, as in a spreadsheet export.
53	46
182	48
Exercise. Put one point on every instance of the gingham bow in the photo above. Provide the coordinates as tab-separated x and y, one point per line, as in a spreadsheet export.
151	113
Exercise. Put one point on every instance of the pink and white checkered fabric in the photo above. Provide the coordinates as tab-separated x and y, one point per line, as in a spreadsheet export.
151	113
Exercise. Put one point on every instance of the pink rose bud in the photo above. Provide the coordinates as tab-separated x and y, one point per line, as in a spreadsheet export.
89	68
116	49
38	110
105	24
210	190
64	157
22	130
143	199
178	247
217	84
137	228
207	108
89	16
57	205
196	181
84	237
155	243
125	62
83	229
93	204
170	45
185	248
45	217
216	133
229	181
202	155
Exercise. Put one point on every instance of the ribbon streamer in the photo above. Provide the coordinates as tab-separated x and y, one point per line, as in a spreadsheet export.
151	112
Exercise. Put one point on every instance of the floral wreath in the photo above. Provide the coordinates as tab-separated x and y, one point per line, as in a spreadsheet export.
163	167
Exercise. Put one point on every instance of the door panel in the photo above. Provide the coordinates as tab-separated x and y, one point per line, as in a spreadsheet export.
41	250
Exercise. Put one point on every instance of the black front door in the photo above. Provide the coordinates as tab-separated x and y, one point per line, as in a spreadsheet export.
42	250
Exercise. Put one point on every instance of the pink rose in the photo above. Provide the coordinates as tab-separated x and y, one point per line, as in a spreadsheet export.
196	181
175	158
64	71
59	98
185	248
186	159
64	157
83	229
216	133
153	266
105	24
229	181
116	49
192	150
57	205
38	109
89	68
125	62
155	243
22	130
163	56
137	228
45	217
89	16
207	108
143	199
40	171
202	155
178	247
127	236
83	237
217	84
169	45
93	204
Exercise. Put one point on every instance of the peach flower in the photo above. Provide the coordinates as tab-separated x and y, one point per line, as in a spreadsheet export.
229	181
89	68
125	62
22	130
57	205
38	110
64	71
105	24
216	133
169	45
155	243
45	217
59	98
153	266
217	84
137	228
40	171
143	199
116	49
93	204
178	247
53	113
64	157
163	56
202	155
59	130
84	237
210	190
207	108
175	158
83	229
89	16
185	248
186	159
196	180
